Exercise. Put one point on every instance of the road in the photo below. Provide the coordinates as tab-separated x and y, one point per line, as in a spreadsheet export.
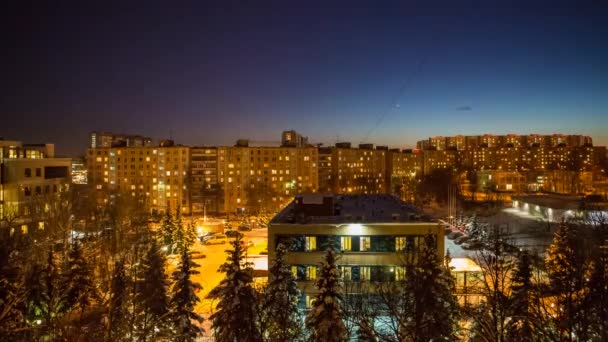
209	276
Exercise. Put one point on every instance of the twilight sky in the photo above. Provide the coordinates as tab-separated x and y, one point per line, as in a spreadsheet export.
211	73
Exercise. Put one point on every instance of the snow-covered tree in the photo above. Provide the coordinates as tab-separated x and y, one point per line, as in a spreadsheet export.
11	287
567	269
325	320
183	300
521	327
179	233
190	235
167	228
78	284
433	309
151	301
52	303
236	316
597	298
475	231
280	306
118	310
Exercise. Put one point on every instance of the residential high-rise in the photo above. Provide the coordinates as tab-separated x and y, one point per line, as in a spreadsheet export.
106	139
207	192
157	176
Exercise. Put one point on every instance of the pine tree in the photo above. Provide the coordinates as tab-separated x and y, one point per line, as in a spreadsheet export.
598	294
77	281
325	321
51	299
167	229
521	327
566	269
183	300
118	326
151	301
179	233
236	315
281	300
190	235
475	231
432	307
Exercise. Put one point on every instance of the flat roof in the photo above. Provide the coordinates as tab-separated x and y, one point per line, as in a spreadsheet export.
355	209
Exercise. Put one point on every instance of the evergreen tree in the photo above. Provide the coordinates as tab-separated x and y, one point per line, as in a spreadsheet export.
118	311
151	301
179	233
184	299
167	229
433	309
51	298
325	320
598	294
566	269
475	231
236	315
190	235
521	327
77	281
281	300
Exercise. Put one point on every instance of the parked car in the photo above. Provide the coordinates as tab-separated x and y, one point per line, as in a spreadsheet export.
198	255
454	234
461	239
217	239
232	233
472	244
264	252
245	227
247	244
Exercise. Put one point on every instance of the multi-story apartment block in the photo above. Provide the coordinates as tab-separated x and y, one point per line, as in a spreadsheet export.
354	170
373	234
265	178
293	139
440	159
29	177
158	176
456	143
106	139
206	191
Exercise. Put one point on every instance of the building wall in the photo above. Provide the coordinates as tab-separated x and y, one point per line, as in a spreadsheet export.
158	174
27	181
264	178
347	258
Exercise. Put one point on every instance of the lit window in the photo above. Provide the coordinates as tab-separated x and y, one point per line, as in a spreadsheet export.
365	243
309	300
345	243
40	225
400	243
311	243
365	273
294	271
24	229
311	272
399	273
346	272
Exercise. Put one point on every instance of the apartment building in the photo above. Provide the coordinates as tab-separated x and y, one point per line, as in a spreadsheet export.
373	234
107	139
350	170
205	186
158	176
29	177
265	178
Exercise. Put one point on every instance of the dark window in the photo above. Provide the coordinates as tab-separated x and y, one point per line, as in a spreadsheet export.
27	191
28	172
38	190
55	172
38	172
54	187
47	189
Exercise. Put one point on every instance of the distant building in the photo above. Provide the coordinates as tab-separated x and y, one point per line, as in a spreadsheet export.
373	233
79	171
293	139
159	177
29	177
206	191
106	139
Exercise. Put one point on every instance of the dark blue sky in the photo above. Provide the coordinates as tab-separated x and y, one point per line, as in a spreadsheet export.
354	71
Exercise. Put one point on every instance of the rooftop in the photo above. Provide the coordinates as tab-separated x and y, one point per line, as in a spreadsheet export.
336	209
